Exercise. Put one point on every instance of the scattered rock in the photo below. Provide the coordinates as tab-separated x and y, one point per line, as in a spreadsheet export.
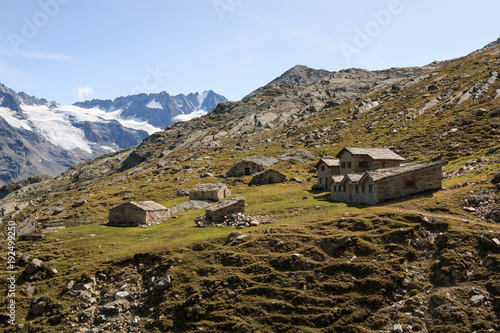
295	256
496	178
398	328
79	203
88	313
232	236
163	284
182	192
37	262
25	257
122	295
470	209
30	290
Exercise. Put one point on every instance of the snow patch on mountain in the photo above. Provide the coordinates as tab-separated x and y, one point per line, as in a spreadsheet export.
192	115
154	105
201	98
57	124
12	120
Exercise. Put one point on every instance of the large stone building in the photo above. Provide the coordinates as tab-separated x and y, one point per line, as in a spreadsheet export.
136	213
375	186
358	160
327	167
373	175
210	191
267	177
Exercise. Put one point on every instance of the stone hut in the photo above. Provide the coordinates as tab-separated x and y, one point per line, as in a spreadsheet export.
136	213
358	160
375	186
245	168
267	177
215	214
327	167
210	191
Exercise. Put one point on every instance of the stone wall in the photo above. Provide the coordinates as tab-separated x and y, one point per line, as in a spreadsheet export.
215	214
359	193
430	179
130	215
267	177
324	174
212	192
390	188
127	215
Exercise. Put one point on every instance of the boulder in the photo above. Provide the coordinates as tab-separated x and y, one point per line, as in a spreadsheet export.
163	284
496	178
38	309
122	295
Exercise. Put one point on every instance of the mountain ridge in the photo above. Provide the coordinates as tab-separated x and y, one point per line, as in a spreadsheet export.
83	132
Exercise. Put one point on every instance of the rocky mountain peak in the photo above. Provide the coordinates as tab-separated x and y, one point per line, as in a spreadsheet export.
296	75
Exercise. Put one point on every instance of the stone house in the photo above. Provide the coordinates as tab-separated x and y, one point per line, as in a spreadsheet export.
210	191
375	186
215	214
267	177
246	168
358	160
327	167
136	213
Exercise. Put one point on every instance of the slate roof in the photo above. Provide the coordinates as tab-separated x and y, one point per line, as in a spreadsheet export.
380	174
329	162
147	205
374	153
208	187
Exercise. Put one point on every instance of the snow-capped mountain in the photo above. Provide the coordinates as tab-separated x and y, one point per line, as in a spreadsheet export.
42	137
159	109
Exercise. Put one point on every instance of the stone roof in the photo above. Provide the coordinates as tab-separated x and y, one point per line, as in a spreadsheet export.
147	205
225	203
262	160
380	174
209	187
329	162
374	153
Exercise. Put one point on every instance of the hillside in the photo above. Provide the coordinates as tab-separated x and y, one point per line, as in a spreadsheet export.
425	263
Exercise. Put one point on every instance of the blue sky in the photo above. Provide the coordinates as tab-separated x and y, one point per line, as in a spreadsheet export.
67	50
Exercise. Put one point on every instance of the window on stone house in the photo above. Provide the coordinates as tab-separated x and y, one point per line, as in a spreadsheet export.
334	188
349	165
363	164
357	188
363	188
370	188
344	189
323	168
320	180
342	165
410	183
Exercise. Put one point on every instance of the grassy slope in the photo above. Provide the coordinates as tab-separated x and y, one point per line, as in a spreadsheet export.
327	288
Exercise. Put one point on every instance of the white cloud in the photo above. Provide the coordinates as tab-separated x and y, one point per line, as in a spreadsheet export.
32	54
82	92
